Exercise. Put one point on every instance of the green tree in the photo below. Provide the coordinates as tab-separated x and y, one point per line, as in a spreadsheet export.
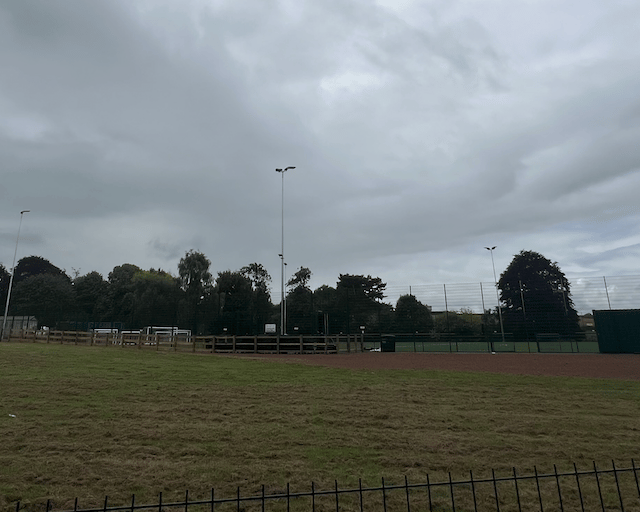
325	302
235	295
325	298
120	303
464	322
5	277
157	295
490	322
48	297
257	274
300	310
261	306
360	303
411	315
33	266
196	282
300	279
536	296
90	297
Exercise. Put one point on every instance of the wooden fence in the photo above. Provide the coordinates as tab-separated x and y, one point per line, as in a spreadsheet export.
274	344
305	344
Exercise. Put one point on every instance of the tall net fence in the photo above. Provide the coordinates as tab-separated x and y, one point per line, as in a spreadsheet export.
587	293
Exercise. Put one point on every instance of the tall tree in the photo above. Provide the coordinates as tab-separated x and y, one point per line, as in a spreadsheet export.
261	307
235	299
157	295
300	279
120	294
5	277
537	297
33	266
325	301
300	310
90	296
196	281
257	274
411	315
48	297
360	300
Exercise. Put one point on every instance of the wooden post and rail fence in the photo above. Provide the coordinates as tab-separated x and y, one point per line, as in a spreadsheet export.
310	344
265	344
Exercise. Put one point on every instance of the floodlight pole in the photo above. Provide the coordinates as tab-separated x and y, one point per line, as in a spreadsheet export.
13	271
282	317
495	281
285	297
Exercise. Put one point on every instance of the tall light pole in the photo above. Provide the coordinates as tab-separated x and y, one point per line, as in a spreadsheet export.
282	171
285	298
13	271
495	282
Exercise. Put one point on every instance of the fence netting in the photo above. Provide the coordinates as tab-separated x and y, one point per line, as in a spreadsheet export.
588	293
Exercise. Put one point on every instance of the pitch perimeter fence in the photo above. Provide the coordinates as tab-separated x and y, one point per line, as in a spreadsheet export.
303	344
587	293
593	489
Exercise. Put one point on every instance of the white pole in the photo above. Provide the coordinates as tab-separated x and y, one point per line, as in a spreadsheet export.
282	317
495	281
13	271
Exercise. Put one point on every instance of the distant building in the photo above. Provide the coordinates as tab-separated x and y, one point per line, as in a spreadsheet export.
586	322
20	322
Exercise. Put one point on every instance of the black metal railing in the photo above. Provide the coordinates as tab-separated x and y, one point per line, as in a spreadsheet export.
584	490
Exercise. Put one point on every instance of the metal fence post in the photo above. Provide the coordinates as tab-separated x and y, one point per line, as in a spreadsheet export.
606	290
473	492
615	474
495	490
575	470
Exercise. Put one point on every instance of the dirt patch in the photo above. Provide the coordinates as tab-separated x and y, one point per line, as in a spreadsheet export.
604	366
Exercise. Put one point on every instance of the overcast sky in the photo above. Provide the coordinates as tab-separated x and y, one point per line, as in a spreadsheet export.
421	132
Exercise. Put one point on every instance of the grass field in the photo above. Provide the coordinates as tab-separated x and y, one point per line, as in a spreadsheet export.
91	422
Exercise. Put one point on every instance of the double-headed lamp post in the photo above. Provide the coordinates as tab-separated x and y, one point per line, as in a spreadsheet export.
13	271
495	282
282	319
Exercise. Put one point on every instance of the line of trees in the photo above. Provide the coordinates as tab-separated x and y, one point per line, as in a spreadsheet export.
534	292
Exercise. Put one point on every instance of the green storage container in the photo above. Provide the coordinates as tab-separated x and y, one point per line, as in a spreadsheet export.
618	330
388	344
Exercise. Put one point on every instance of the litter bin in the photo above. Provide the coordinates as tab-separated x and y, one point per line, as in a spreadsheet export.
388	343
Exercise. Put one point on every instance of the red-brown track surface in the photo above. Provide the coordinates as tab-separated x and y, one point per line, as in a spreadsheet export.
604	366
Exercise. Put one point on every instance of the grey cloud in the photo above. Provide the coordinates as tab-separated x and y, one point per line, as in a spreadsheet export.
166	250
416	134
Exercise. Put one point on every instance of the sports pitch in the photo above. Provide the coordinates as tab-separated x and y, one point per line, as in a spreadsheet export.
91	421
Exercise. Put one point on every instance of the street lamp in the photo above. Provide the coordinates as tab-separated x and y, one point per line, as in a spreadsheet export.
495	281
282	171
13	271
